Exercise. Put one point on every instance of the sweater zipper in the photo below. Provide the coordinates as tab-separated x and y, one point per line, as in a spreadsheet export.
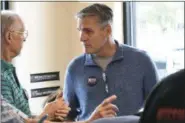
104	76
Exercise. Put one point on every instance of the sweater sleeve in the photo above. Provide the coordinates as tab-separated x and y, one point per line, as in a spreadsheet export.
150	75
70	96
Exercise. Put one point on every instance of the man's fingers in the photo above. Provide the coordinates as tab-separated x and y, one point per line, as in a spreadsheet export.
59	98
61	101
63	111
60	115
104	113
111	107
60	94
64	107
109	100
60	118
105	109
111	112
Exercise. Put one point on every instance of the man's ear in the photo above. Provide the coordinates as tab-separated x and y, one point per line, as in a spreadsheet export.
108	30
8	37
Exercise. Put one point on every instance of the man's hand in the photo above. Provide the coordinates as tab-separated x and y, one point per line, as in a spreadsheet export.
58	106
105	109
62	112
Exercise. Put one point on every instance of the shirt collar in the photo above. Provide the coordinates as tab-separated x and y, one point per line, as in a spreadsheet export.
117	56
6	65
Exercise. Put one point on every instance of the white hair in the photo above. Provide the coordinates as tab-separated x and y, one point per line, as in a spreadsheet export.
7	20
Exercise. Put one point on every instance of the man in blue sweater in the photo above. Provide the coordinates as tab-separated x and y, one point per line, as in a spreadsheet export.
106	68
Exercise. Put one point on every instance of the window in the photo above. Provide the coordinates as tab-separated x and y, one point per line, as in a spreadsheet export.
159	30
4	5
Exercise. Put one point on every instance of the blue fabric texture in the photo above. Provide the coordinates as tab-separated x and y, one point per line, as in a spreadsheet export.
130	75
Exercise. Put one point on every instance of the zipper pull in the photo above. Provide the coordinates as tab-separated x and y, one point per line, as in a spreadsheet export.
105	80
106	88
104	77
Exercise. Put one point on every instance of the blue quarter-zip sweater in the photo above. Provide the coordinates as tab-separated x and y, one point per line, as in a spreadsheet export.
130	76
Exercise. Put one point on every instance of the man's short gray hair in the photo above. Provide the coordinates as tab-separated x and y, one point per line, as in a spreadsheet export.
102	11
7	20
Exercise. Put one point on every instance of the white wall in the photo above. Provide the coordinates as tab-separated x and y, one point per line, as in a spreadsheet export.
52	42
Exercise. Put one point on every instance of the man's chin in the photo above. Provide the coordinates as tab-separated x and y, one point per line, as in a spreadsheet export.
18	54
87	51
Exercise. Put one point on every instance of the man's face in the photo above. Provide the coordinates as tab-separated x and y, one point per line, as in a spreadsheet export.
92	35
17	36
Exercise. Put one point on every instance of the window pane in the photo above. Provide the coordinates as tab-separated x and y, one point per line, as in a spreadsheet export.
160	31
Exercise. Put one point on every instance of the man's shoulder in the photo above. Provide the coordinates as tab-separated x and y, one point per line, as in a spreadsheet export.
6	70
132	52
6	76
6	66
131	49
77	62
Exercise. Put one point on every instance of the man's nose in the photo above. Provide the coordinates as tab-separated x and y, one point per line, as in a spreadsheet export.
83	37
